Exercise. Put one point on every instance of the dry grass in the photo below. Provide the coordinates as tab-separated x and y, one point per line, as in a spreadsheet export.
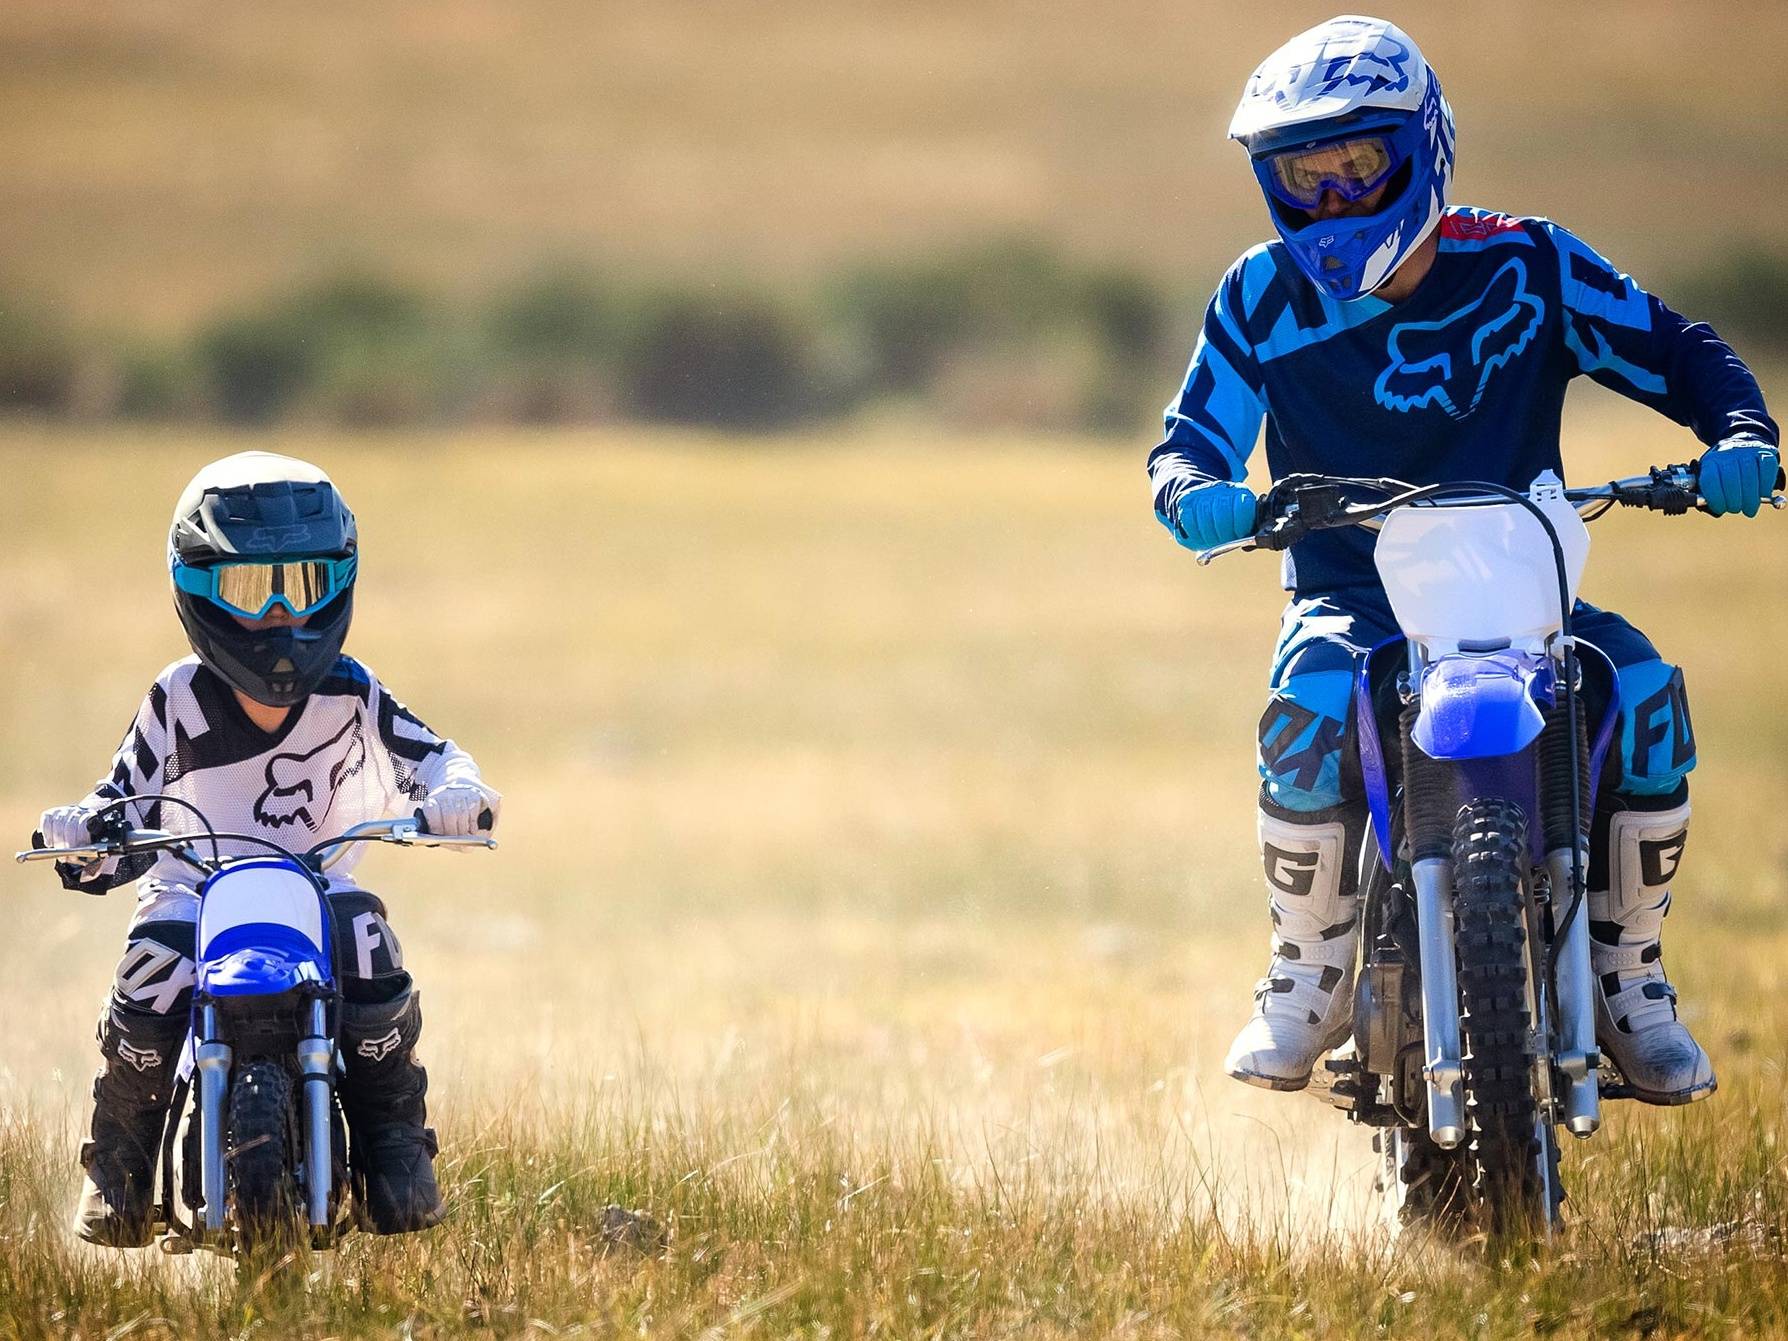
876	902
160	158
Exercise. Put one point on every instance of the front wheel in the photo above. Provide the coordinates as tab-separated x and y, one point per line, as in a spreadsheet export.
260	1157
1511	1158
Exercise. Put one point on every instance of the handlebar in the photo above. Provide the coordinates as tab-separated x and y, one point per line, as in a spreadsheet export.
120	842
412	832
1299	505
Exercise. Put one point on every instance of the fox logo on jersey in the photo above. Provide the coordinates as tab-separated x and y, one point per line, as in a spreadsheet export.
292	779
1449	362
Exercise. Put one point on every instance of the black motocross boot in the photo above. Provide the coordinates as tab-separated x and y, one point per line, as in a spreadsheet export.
393	1153
130	1104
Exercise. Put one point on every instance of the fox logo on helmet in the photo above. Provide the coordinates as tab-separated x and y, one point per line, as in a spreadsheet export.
1449	362
1362	58
1383	67
292	780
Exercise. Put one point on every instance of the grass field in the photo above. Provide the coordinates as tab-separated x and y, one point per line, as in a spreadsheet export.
163	159
876	901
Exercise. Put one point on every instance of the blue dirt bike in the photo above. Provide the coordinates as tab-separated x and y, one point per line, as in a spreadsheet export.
264	1155
1473	1036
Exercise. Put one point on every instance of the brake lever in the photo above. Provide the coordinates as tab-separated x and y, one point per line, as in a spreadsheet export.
1242	546
73	856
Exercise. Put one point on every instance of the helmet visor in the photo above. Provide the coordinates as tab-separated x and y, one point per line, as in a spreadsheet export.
1351	168
251	590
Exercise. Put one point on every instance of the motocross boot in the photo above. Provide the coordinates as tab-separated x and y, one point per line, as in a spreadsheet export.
1629	895
130	1101
382	1094
1304	1004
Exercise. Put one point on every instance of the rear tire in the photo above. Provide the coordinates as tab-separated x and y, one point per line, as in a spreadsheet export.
1508	1140
261	1157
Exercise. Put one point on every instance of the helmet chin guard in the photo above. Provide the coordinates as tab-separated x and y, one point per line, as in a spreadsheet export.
256	507
1350	77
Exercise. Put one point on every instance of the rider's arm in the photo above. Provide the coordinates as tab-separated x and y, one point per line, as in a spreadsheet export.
136	770
1214	421
1630	342
421	761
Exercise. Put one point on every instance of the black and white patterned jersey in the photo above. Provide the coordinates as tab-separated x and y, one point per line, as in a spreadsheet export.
348	753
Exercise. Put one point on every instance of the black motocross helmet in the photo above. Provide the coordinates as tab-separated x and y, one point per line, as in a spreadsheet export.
252	532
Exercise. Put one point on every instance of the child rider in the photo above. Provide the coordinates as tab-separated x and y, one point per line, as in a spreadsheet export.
268	729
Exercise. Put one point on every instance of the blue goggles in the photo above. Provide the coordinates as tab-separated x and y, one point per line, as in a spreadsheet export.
252	588
1352	169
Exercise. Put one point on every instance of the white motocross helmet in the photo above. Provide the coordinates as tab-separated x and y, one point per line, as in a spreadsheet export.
1349	106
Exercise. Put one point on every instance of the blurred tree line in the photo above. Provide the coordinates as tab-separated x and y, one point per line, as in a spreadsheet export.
998	335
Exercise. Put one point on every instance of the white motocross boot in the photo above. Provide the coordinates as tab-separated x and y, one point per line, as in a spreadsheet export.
1636	1024
1304	1004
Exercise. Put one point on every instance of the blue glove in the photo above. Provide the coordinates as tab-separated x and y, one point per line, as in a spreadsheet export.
1208	515
1737	475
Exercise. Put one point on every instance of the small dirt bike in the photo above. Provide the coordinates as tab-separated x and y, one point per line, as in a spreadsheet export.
264	1156
1474	1020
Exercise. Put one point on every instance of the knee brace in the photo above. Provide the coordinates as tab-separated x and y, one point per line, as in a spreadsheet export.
157	973
1657	739
1311	863
139	1051
1303	742
1636	847
368	958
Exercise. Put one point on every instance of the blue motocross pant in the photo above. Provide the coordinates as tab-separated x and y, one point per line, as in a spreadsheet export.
1307	758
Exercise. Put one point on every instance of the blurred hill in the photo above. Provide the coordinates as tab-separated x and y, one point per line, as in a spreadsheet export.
164	160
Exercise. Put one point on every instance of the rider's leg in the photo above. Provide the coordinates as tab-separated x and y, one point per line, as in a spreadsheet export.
383	1088
1641	827
140	1036
1312	818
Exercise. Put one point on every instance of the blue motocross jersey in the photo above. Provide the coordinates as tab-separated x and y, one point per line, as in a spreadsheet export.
1464	379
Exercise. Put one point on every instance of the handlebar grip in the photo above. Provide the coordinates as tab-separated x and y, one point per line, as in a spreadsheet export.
486	820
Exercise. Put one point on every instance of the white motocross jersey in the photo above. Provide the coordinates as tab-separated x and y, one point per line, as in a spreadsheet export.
348	753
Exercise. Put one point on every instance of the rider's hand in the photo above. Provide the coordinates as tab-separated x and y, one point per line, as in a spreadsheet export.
65	826
1738	475
1209	515
453	810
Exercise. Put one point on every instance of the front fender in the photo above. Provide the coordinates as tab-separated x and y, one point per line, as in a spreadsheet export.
1482	706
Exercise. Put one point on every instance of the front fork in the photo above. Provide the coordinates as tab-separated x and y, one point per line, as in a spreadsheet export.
1577	1058
212	1059
316	1064
316	1061
1575	1054
1443	1066
1570	1038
